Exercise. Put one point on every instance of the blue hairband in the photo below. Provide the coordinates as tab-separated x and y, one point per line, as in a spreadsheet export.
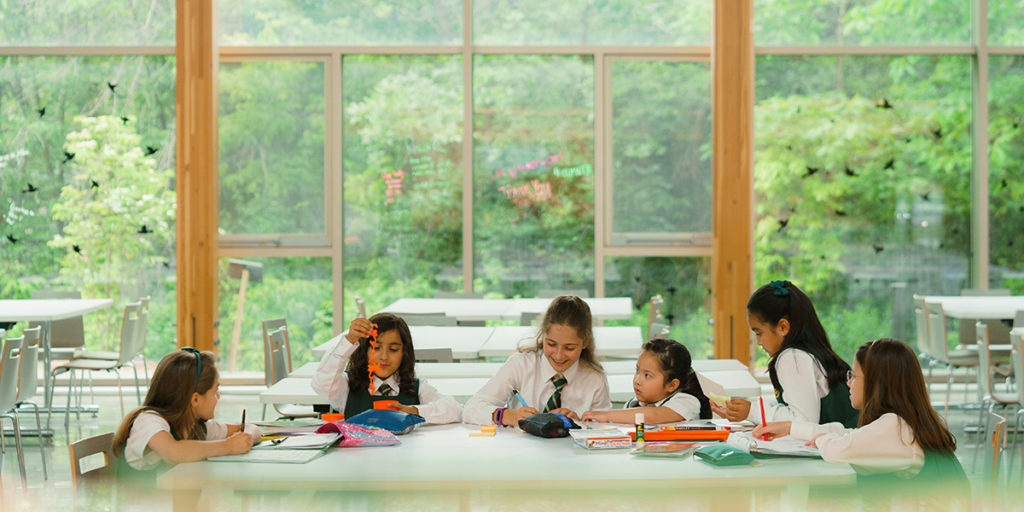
199	364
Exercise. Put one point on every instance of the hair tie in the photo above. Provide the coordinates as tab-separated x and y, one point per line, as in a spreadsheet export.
779	288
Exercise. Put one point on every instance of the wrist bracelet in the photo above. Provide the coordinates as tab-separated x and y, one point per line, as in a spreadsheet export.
501	412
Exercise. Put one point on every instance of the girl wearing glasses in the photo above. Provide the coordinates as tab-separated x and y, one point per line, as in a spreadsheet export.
173	426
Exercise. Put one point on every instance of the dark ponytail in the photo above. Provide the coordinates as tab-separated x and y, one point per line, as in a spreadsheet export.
677	363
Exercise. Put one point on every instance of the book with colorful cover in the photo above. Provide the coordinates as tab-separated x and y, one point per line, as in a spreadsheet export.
600	438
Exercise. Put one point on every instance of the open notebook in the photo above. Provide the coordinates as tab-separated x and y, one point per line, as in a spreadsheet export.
286	456
782	446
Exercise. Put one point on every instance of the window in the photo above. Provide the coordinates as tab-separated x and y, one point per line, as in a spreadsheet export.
1006	191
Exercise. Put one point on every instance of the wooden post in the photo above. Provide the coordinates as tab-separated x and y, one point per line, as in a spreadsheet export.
732	65
196	172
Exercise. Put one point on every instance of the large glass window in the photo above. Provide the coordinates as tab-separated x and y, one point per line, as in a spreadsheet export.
87	22
272	148
533	218
661	137
862	22
1006	190
1005	26
862	183
402	176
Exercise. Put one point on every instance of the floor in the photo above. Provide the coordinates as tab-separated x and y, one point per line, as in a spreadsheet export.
1004	491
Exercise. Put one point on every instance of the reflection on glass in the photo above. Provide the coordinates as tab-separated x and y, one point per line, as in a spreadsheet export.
403	177
684	287
862	183
271	147
861	23
661	132
533	218
602	22
87	22
296	289
352	22
1006	190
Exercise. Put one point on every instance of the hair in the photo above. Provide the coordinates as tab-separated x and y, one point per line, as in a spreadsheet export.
676	363
359	377
175	372
574	312
893	382
782	299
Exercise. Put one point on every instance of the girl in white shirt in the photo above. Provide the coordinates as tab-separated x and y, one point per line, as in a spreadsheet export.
809	378
175	423
353	382
899	433
558	374
666	387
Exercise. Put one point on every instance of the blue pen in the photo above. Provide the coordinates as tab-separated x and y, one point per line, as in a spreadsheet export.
518	396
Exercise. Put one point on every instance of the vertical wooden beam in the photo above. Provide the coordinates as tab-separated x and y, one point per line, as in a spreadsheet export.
732	65
196	172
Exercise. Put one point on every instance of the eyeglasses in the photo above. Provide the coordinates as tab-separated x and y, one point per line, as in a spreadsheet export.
199	364
850	376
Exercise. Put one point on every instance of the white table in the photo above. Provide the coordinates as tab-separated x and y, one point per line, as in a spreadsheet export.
611	341
982	308
46	311
603	308
445	459
465	342
479	369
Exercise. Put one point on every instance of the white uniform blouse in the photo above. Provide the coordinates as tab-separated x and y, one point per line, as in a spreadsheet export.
804	384
684	404
885	445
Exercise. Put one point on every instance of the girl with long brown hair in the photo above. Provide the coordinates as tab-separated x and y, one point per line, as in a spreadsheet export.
175	422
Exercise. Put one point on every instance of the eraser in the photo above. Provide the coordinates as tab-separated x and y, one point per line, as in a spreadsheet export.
489	428
482	434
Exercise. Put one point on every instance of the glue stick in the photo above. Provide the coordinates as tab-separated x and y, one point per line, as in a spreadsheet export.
638	420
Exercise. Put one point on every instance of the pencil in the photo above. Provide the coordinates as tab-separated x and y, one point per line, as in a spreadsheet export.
517	395
761	400
241	426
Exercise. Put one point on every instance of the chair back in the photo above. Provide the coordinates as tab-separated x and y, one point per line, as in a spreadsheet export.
360	307
428	319
9	366
68	333
1018	319
28	376
984	361
270	326
434	355
938	344
1017	360
280	366
529	318
921	317
130	346
140	337
658	330
551	293
101	443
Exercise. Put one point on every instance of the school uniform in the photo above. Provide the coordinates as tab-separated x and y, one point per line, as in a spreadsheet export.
331	381
530	373
139	456
803	393
684	404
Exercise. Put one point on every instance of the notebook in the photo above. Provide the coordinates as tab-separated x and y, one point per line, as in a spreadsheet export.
781	446
303	442
285	456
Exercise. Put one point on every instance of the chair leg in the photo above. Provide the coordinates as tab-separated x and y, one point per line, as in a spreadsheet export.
263	417
67	409
39	429
120	395
138	390
17	443
982	422
949	384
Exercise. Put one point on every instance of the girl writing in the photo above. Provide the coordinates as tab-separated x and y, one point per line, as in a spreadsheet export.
666	388
346	378
899	433
175	423
558	374
809	378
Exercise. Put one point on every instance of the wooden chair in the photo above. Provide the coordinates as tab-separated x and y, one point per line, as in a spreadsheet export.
986	388
137	348
101	443
1017	360
998	443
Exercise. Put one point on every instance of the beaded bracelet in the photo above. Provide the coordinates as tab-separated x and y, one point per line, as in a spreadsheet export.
501	412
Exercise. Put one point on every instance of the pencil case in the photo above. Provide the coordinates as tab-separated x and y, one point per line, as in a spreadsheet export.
397	422
722	454
547	424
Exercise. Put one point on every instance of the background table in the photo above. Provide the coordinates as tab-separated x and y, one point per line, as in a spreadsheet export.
482	369
601	308
982	308
465	342
611	341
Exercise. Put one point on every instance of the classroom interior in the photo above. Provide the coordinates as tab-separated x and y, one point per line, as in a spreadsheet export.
236	162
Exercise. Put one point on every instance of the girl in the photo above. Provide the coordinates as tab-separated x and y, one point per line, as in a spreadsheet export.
344	373
898	433
173	426
809	378
558	374
666	388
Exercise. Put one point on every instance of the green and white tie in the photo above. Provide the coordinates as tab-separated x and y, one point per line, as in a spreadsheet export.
556	398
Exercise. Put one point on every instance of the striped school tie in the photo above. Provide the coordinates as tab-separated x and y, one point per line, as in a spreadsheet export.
384	389
556	398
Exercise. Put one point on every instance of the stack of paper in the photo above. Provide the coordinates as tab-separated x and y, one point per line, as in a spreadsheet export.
779	446
304	442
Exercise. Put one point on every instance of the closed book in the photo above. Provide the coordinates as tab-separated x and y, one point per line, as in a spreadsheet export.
600	439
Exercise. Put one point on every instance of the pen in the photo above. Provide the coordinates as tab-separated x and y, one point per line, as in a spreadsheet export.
241	426
517	395
761	399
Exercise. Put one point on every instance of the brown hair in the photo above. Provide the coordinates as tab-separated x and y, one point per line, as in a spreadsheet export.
359	377
893	382
170	396
574	312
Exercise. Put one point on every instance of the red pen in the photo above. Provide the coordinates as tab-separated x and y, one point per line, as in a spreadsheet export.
761	400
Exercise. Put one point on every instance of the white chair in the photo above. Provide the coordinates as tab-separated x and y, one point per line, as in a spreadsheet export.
434	355
10	363
656	322
1017	360
924	347
986	389
128	352
138	346
961	357
279	357
427	319
28	379
998	332
68	335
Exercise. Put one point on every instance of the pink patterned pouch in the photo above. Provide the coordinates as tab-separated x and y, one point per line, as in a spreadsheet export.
354	435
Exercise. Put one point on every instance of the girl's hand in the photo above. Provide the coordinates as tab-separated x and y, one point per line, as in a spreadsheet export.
405	408
238	443
566	412
359	328
772	430
511	417
736	409
814	441
601	416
